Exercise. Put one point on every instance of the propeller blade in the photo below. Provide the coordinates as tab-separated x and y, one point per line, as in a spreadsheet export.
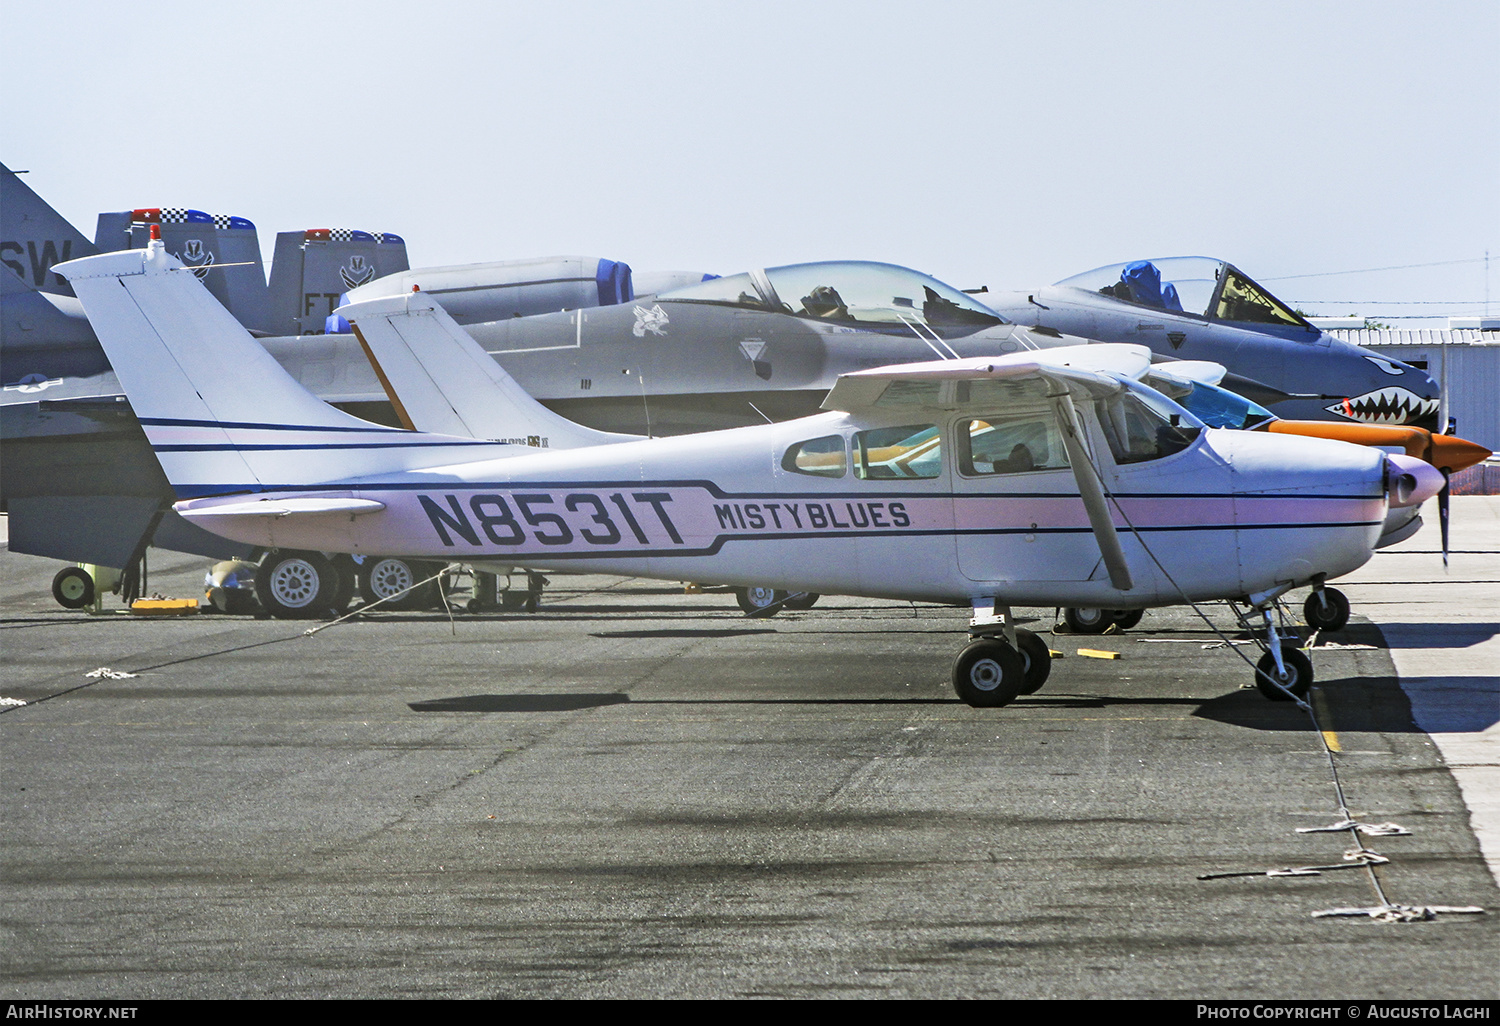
1091	490
1442	498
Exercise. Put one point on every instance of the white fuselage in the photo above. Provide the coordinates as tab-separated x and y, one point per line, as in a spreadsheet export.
1233	514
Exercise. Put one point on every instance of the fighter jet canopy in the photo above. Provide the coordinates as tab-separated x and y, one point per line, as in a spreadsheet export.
1197	286
848	291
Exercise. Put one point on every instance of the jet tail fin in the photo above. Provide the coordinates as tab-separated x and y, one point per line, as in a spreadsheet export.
222	251
220	413
34	237
441	380
313	269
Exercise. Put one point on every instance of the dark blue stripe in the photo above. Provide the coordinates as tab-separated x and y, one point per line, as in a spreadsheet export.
717	492
171	422
204	447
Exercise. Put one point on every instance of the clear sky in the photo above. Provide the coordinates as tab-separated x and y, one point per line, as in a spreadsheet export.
1000	144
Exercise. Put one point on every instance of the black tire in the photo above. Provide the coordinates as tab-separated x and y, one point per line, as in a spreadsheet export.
296	585
73	587
384	576
1299	677
1330	617
988	674
1127	618
1036	659
806	600
1085	620
760	601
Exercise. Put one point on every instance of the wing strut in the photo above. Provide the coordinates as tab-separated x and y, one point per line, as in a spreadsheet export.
1091	490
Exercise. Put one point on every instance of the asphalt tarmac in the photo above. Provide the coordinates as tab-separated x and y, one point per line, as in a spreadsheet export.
641	793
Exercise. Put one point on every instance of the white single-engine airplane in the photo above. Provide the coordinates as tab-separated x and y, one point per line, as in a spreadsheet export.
994	482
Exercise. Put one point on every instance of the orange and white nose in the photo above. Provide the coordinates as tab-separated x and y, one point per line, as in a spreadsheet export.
1410	481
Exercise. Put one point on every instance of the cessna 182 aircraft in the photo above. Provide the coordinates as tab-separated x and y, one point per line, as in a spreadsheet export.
997	482
441	381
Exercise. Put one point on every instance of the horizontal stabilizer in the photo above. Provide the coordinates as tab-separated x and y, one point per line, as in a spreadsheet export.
311	507
441	380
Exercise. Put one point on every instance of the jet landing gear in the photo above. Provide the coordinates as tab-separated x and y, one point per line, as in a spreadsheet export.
760	601
1087	620
1002	661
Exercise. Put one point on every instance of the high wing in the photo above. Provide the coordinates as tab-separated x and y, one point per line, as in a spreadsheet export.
440	380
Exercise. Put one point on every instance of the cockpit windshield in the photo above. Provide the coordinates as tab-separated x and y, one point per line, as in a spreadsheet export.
1221	408
848	292
1200	286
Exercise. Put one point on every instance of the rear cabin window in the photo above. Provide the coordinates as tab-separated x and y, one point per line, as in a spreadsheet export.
1010	445
821	457
912	451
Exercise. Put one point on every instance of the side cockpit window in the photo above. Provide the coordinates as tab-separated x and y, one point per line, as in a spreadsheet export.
1138	432
911	451
1010	445
820	457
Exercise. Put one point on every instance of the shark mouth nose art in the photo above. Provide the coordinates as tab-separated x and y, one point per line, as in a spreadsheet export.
1392	405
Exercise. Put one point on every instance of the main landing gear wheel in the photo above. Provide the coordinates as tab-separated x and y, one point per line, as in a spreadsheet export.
989	673
759	601
1326	609
1085	620
73	587
296	585
1297	679
1128	618
806	600
1036	660
385	577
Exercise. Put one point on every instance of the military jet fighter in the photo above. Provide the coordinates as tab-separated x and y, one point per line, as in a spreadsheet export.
1200	308
886	494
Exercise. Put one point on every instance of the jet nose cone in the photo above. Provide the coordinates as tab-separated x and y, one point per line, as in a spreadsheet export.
1410	481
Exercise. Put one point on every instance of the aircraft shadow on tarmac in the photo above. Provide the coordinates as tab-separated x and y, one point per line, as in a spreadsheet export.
1287	718
1448	635
685	632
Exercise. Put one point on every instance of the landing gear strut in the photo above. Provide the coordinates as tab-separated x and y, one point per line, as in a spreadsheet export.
1284	673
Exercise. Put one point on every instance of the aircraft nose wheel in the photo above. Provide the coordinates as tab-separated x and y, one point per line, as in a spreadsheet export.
989	673
1297	679
1326	609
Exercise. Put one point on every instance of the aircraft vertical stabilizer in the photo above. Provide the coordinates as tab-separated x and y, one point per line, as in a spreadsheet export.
222	250
220	413
441	380
311	270
33	236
